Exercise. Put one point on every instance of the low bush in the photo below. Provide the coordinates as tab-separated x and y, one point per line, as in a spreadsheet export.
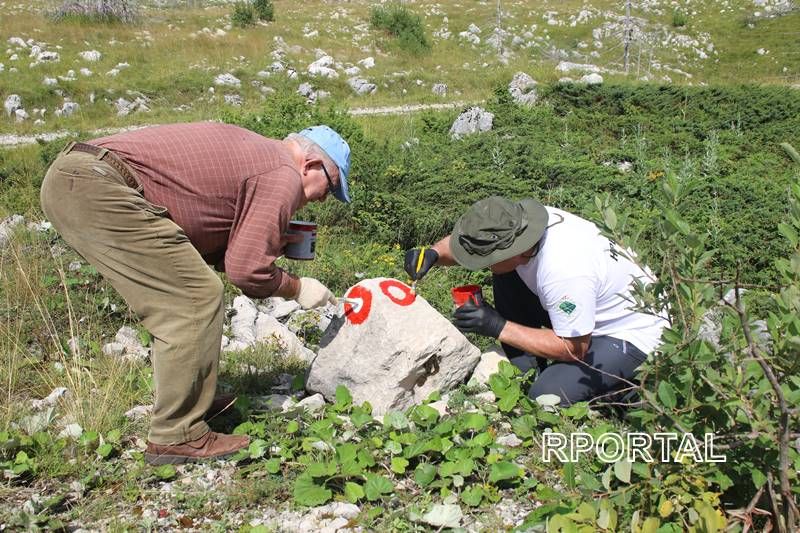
679	19
243	15
264	10
402	24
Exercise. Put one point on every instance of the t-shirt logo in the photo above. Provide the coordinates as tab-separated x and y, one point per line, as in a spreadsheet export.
567	307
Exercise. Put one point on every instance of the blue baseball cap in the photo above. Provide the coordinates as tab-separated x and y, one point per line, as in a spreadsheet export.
338	150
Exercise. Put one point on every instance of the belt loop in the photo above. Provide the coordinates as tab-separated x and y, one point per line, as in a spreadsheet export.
68	147
101	154
624	346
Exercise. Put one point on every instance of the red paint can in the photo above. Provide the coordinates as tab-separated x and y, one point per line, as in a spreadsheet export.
303	250
466	293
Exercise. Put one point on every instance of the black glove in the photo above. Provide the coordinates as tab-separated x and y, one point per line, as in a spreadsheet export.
482	319
429	257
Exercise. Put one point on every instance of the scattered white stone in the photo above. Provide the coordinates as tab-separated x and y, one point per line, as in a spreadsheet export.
71	431
470	37
509	441
313	403
322	67
227	80
592	79
523	89
47	56
126	107
566	66
139	412
473	28
90	55
20	115
127	344
113	73
7	228
439	89
352	71
67	109
473	120
367	62
762	51
85	72
488	364
361	86
17	41
12	103
235	100
280	308
51	399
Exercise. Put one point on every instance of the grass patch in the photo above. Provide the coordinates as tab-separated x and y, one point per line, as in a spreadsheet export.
403	25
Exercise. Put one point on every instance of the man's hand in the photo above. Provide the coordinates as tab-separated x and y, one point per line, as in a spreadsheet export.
482	319
429	257
312	294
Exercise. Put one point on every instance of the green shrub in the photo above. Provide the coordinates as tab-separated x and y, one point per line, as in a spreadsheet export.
243	15
402	24
679	19
264	10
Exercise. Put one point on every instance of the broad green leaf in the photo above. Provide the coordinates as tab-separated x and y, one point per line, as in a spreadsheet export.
622	470
524	426
377	485
395	420
447	515
473	495
424	415
473	421
399	465
758	478
666	394
343	397
273	466
665	509
360	418
651	525
292	427
165	472
509	400
308	493
105	450
353	491
424	474
502	471
346	452
257	449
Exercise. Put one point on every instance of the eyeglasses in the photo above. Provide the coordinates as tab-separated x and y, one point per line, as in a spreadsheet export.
328	177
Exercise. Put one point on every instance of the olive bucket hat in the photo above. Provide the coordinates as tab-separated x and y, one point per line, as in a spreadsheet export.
495	229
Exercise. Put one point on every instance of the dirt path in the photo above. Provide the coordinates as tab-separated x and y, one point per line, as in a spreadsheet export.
13	141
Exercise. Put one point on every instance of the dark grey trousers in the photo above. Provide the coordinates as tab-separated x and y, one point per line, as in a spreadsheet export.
573	382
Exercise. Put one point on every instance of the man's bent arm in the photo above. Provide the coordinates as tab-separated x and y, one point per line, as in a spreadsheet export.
544	342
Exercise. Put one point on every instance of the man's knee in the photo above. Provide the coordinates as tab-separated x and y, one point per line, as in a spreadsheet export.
561	381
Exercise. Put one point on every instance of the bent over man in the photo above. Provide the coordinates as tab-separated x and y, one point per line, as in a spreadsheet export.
562	292
151	209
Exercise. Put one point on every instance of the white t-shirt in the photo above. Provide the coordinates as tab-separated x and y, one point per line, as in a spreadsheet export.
583	281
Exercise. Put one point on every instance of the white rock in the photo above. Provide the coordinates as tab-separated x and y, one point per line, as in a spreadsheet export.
47	56
439	89
523	89
352	71
440	406
313	403
509	441
12	103
235	100
361	86
51	399
473	28
383	359
127	344
473	120
489	364
139	412
17	41
566	66
91	55
67	109
367	62
227	80
113	73
592	79
267	328
322	67
470	37
7	228
20	115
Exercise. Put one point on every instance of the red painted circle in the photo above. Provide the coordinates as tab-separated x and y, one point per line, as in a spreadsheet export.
408	297
349	309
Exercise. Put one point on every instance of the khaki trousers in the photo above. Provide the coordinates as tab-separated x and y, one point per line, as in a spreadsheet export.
151	263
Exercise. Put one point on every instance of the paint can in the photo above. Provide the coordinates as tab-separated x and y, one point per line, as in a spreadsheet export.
466	293
303	250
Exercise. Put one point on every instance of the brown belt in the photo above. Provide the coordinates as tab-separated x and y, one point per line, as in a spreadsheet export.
104	154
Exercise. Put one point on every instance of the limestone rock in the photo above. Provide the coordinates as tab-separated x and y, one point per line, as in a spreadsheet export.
566	66
473	120
378	353
267	328
489	364
91	55
592	79
51	399
361	86
322	67
523	89
439	89
12	103
227	80
127	344
7	227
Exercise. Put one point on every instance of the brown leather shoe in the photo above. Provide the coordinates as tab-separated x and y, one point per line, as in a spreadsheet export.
220	404
212	445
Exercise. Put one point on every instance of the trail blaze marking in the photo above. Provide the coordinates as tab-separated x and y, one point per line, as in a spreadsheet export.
391	287
349	310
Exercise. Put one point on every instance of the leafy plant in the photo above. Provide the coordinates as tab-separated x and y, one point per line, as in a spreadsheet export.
243	14
264	10
402	24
